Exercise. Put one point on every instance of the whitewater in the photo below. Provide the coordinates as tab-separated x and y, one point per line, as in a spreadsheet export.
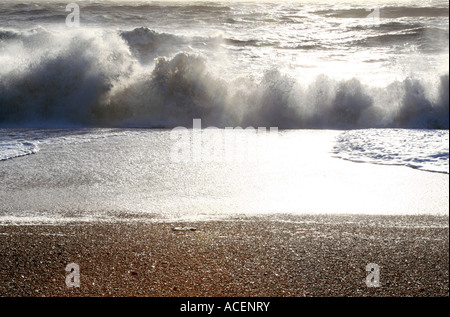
290	64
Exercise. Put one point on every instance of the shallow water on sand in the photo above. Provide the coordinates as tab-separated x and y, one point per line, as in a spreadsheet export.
120	175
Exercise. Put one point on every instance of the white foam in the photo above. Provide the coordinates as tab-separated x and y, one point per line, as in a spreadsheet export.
12	149
98	78
420	149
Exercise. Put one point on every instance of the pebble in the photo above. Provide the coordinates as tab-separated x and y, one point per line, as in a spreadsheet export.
184	229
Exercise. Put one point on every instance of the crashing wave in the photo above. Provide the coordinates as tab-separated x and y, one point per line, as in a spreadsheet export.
110	79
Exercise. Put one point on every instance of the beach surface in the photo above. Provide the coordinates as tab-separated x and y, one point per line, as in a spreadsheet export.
275	256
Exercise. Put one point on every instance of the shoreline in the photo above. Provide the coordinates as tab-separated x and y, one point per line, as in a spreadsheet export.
266	256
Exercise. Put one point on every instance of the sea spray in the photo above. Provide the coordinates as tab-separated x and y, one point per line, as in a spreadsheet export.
101	84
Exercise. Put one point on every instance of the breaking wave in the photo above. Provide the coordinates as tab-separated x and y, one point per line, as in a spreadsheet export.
120	79
428	38
389	12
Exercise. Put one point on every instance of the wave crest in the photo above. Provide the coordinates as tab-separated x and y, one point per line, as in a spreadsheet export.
100	81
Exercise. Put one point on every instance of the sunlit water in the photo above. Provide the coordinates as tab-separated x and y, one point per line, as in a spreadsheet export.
120	175
421	149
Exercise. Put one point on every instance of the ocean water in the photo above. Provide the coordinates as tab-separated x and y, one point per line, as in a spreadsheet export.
359	94
90	175
286	64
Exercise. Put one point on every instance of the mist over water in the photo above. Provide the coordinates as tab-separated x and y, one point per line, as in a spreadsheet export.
289	65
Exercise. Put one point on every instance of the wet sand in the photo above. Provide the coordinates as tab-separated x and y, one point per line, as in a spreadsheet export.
273	256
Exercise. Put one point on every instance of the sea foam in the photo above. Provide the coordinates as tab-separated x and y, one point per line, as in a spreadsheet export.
117	78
